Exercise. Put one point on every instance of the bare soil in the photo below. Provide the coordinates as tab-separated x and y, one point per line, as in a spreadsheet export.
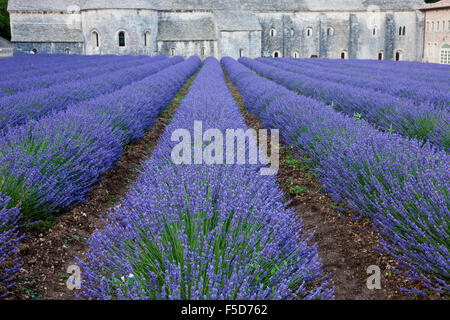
345	243
47	256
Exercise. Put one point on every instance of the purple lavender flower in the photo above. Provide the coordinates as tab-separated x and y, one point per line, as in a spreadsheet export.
9	244
401	184
203	231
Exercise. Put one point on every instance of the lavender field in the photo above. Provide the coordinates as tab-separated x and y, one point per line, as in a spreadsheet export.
88	178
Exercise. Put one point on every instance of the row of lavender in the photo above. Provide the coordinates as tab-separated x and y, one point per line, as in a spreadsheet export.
412	90
82	71
401	184
33	104
389	113
202	231
416	70
50	164
20	68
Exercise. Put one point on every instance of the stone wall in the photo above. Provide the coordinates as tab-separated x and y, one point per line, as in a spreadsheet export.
436	40
314	28
108	23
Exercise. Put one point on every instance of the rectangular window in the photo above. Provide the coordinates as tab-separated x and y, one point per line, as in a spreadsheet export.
445	56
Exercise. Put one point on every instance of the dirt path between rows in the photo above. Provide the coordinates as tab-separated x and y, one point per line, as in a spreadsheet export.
47	256
345	244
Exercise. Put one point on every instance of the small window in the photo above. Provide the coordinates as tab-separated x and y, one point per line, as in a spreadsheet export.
398	56
309	31
343	54
203	51
330	31
432	26
276	54
147	39
273	32
172	52
400	31
96	39
445	54
34	51
448	25
380	55
374	30
295	54
314	56
67	51
428	26
292	32
404	30
121	39
437	26
241	53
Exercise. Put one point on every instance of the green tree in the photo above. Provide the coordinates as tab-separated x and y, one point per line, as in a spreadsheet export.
5	30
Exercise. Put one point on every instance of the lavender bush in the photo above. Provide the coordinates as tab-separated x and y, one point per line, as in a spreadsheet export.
428	72
389	113
400	183
27	66
34	104
202	231
9	243
50	164
83	72
412	90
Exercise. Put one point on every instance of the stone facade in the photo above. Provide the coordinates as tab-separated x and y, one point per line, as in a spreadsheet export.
437	32
358	29
6	49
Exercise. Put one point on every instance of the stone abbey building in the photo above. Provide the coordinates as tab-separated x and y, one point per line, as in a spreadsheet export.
357	29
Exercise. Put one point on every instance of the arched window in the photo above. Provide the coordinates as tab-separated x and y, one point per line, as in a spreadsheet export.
241	53
121	39
437	26
203	51
398	55
309	31
432	26
34	51
374	30
273	32
428	26
344	54
295	54
292	32
95	39
400	31
172	52
147	39
380	55
330	31
276	54
404	30
67	50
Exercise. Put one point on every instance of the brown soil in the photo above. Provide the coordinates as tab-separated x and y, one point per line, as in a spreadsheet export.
345	245
47	256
